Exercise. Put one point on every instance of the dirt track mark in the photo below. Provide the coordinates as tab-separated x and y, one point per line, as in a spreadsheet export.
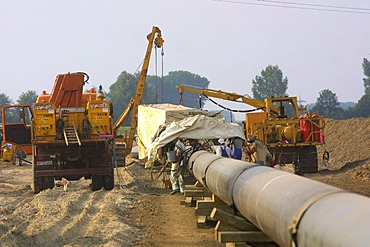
88	206
58	211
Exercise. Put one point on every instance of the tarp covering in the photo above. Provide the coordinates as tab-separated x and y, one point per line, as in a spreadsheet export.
152	116
194	127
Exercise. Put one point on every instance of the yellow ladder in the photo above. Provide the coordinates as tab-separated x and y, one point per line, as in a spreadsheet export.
71	135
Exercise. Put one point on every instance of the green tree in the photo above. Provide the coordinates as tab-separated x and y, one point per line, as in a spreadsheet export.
270	84
28	97
4	100
124	89
366	68
362	107
327	105
174	78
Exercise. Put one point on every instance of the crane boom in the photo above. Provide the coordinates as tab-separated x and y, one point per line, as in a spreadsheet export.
154	37
226	96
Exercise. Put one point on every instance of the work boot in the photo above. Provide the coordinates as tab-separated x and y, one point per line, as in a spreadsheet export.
174	192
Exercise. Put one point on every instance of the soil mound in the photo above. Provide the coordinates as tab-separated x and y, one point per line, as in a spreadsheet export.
348	144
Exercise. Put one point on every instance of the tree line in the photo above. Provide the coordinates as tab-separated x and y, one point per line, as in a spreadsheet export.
271	83
162	89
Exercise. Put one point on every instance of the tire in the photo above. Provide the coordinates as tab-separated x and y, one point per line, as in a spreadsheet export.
109	181
97	182
36	182
48	183
19	155
42	183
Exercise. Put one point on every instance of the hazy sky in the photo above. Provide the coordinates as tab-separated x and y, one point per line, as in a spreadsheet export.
227	42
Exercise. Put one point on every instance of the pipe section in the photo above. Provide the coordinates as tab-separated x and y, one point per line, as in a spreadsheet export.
274	200
221	177
337	220
290	209
200	166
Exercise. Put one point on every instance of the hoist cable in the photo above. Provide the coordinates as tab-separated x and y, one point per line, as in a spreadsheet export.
229	109
162	53
315	7
127	84
156	76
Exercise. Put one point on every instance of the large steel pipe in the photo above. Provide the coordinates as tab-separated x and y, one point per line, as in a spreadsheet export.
290	209
200	166
220	177
341	219
274	200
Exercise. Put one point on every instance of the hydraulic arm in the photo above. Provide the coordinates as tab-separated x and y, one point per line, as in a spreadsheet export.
155	37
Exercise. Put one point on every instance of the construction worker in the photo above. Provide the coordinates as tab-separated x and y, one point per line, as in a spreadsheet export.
100	94
221	149
177	181
237	145
261	151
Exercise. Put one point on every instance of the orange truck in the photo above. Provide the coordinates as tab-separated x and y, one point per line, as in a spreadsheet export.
72	135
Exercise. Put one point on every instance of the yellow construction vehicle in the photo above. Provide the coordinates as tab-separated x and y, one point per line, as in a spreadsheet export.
73	132
291	137
71	135
126	141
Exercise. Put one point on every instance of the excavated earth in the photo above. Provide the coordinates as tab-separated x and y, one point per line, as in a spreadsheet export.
140	212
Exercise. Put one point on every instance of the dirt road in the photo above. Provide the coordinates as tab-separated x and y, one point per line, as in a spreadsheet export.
76	217
139	212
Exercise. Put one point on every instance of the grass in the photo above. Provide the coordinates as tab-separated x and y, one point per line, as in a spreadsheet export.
123	129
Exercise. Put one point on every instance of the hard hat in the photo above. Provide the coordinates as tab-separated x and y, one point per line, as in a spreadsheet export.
221	141
252	138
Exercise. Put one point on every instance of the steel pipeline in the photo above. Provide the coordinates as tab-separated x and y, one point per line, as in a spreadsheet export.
290	209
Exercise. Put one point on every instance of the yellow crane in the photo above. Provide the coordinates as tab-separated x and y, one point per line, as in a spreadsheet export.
155	37
291	137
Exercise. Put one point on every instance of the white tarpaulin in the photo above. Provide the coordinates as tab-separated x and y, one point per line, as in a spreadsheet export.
195	127
152	117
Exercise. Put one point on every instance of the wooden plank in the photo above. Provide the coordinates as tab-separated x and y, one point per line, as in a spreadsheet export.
203	211
211	222
198	184
228	218
202	222
197	193
220	227
236	245
215	198
242	236
193	187
211	204
208	211
216	229
189	202
223	228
